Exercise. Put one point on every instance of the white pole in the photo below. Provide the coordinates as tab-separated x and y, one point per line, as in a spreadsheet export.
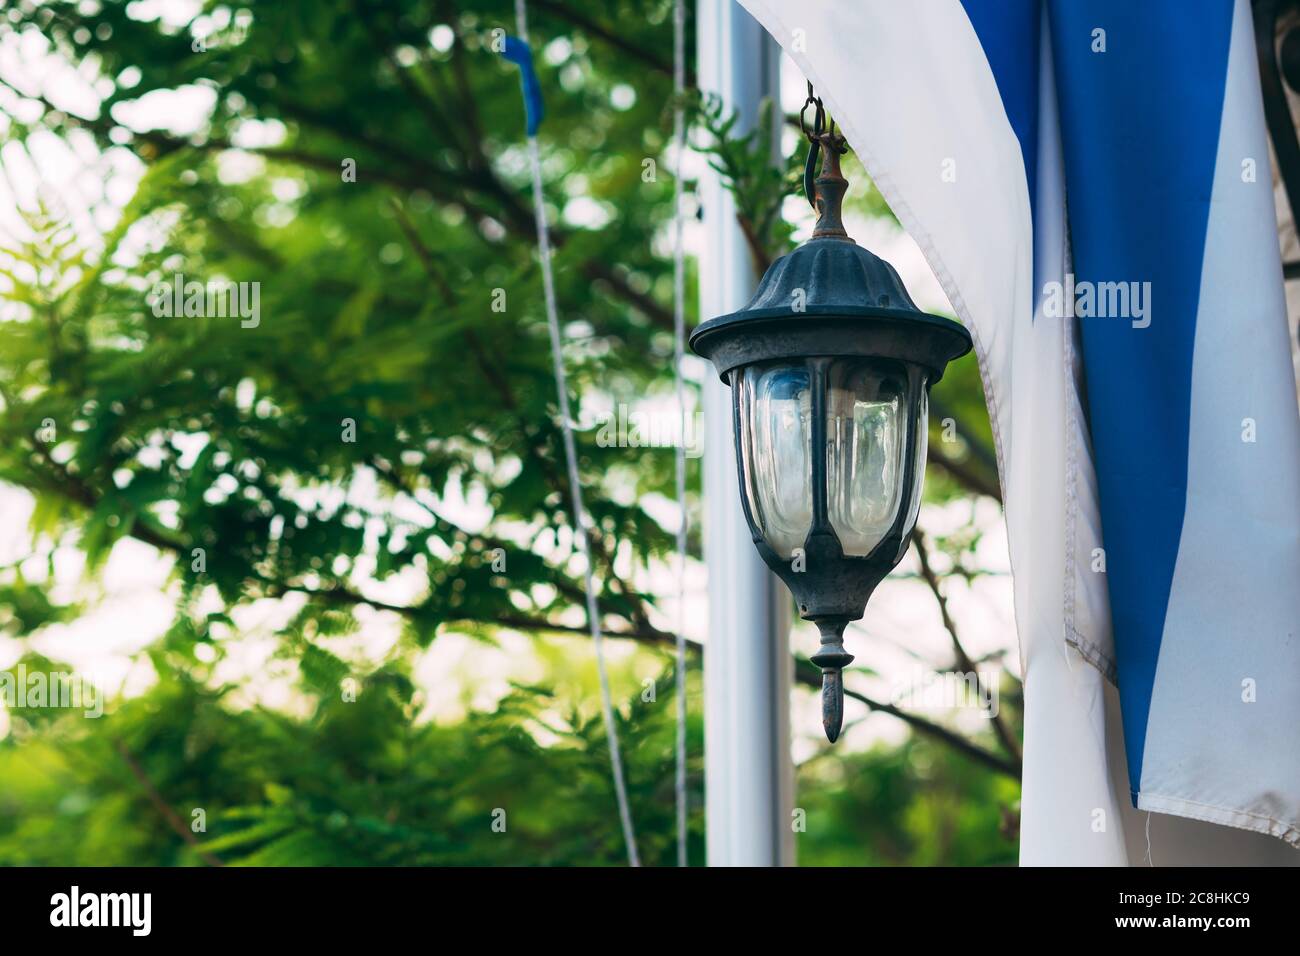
747	668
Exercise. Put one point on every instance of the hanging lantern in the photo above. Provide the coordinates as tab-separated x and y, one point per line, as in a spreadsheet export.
830	367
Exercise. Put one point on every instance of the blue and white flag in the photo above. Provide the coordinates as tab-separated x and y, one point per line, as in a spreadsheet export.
1090	183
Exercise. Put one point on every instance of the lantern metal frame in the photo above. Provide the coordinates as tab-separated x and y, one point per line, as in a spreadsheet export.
830	298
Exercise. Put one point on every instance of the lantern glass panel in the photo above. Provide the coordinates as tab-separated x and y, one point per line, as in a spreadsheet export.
775	414
866	440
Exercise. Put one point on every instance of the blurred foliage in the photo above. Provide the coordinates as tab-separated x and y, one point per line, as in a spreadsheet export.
744	160
354	783
323	455
914	805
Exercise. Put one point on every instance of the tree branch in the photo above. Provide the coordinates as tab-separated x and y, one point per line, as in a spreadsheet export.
964	663
808	675
614	38
164	809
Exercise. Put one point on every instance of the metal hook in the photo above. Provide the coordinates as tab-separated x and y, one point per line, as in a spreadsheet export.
814	141
819	115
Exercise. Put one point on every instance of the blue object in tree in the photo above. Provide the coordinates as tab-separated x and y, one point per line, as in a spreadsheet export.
518	52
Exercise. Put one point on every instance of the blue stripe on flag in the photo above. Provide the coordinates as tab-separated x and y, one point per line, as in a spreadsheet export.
1008	32
1140	129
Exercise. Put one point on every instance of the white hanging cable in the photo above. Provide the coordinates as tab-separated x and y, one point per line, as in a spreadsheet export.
581	521
679	338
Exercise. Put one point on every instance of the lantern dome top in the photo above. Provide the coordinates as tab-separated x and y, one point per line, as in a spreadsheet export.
830	296
828	275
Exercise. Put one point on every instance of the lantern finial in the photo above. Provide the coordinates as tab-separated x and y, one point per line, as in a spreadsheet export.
832	658
830	189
